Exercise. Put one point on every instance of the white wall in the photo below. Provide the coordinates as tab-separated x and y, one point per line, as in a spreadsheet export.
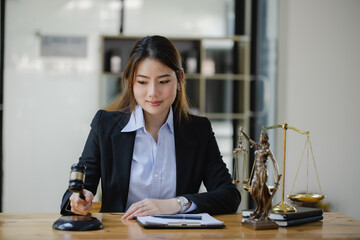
318	90
48	102
181	18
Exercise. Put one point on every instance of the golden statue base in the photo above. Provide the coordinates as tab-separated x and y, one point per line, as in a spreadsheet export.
257	224
283	207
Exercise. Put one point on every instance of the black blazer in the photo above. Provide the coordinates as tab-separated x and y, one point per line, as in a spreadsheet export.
108	155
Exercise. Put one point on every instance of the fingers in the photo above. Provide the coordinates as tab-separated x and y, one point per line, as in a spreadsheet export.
89	196
148	207
140	208
81	206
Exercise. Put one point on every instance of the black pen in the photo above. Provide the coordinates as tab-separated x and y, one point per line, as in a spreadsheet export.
184	216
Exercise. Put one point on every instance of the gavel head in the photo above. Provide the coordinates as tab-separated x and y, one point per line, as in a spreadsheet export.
77	177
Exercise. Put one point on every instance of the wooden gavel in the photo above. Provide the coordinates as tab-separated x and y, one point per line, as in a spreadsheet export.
77	178
77	223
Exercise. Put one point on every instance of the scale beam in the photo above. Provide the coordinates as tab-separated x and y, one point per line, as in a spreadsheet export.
285	127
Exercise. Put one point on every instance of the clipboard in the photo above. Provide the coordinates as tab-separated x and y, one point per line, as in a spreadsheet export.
206	221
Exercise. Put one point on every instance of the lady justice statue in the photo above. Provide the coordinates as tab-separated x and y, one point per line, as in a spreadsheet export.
259	190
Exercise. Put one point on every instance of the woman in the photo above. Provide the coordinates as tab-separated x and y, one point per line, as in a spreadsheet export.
151	154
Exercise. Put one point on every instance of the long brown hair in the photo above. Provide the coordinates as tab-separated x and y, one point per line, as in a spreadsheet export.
163	50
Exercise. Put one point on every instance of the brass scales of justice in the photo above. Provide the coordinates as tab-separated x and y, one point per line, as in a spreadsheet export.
282	206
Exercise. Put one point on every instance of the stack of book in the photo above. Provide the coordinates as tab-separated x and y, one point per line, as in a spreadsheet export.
302	215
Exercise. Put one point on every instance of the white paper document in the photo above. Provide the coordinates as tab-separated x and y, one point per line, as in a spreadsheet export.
200	220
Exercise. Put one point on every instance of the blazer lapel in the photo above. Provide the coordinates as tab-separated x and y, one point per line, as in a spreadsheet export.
123	146
185	147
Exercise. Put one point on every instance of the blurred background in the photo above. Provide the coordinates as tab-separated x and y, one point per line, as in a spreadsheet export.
248	63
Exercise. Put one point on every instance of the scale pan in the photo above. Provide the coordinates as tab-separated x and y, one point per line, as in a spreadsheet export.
247	188
306	197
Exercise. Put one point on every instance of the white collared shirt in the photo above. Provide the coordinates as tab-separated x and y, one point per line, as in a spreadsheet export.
153	167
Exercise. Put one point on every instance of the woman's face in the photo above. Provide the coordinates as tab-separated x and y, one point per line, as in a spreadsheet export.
155	88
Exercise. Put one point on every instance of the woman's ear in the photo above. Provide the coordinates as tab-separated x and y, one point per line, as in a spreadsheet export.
181	75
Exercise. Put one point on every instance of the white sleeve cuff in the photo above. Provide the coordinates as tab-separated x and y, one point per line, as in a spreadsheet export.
191	208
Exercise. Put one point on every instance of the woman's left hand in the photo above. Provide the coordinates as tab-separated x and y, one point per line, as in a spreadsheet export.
148	207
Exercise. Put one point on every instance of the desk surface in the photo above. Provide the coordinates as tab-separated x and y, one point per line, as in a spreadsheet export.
39	226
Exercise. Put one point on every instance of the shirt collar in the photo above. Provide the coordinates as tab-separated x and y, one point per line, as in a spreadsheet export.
170	121
136	121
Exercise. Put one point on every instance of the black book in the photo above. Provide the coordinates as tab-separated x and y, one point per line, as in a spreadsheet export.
293	222
301	212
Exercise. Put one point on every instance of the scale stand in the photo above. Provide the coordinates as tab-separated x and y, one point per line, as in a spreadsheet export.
283	207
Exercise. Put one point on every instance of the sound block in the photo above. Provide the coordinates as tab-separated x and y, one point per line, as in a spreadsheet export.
77	223
256	224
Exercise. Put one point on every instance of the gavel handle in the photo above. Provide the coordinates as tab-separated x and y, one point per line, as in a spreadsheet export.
82	195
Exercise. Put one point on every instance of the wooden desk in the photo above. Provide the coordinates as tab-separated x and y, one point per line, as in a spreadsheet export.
39	226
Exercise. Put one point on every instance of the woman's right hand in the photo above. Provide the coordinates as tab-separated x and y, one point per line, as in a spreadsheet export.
81	206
